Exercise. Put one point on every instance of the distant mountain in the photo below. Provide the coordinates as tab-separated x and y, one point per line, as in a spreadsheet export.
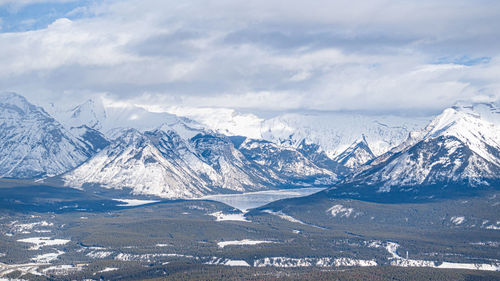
459	149
33	144
112	118
121	146
335	132
355	155
179	161
225	121
323	135
285	161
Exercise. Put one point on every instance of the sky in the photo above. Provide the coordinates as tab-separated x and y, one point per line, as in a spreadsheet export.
323	55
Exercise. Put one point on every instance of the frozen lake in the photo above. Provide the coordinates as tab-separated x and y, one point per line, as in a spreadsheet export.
250	200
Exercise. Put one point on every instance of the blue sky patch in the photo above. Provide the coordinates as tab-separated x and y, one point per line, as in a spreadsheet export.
36	16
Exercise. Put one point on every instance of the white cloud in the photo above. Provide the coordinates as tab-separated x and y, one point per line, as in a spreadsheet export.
278	55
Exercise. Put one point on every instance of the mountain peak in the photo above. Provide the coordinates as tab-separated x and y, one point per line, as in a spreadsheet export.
459	147
357	154
34	144
91	113
19	101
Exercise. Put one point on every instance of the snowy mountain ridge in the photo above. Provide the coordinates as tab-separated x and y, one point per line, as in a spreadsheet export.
162	154
191	164
33	144
459	147
333	132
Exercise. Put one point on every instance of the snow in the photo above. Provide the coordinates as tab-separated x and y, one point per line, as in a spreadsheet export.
135	202
284	216
219	216
108	269
334	132
494	227
164	164
340	210
457	220
47	258
33	143
22	227
236	263
43	241
458	129
308	262
356	155
146	257
99	254
105	116
487	243
223	120
473	266
28	268
392	247
242	242
64	269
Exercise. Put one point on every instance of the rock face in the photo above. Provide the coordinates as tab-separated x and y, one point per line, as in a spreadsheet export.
327	134
334	132
166	163
175	157
33	144
286	162
355	155
460	147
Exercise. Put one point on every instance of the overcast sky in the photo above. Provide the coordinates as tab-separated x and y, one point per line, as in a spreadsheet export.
253	55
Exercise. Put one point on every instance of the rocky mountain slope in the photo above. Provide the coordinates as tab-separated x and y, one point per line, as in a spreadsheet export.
33	144
460	147
179	161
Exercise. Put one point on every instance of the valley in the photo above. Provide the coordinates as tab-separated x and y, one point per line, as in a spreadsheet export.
165	196
98	237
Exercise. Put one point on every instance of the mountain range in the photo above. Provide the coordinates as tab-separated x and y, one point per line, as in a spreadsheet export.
173	156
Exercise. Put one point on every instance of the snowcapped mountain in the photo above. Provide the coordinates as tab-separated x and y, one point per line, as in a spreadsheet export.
335	132
285	161
325	134
355	155
459	147
173	161
112	118
223	120
91	138
33	144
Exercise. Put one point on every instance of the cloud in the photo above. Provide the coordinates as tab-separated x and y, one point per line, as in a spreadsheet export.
254	55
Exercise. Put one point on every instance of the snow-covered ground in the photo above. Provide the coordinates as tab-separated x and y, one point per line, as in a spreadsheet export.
99	254
223	244
340	210
284	216
64	269
307	262
43	241
397	260
17	227
108	269
47	258
135	202
147	257
457	220
226	262
220	216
